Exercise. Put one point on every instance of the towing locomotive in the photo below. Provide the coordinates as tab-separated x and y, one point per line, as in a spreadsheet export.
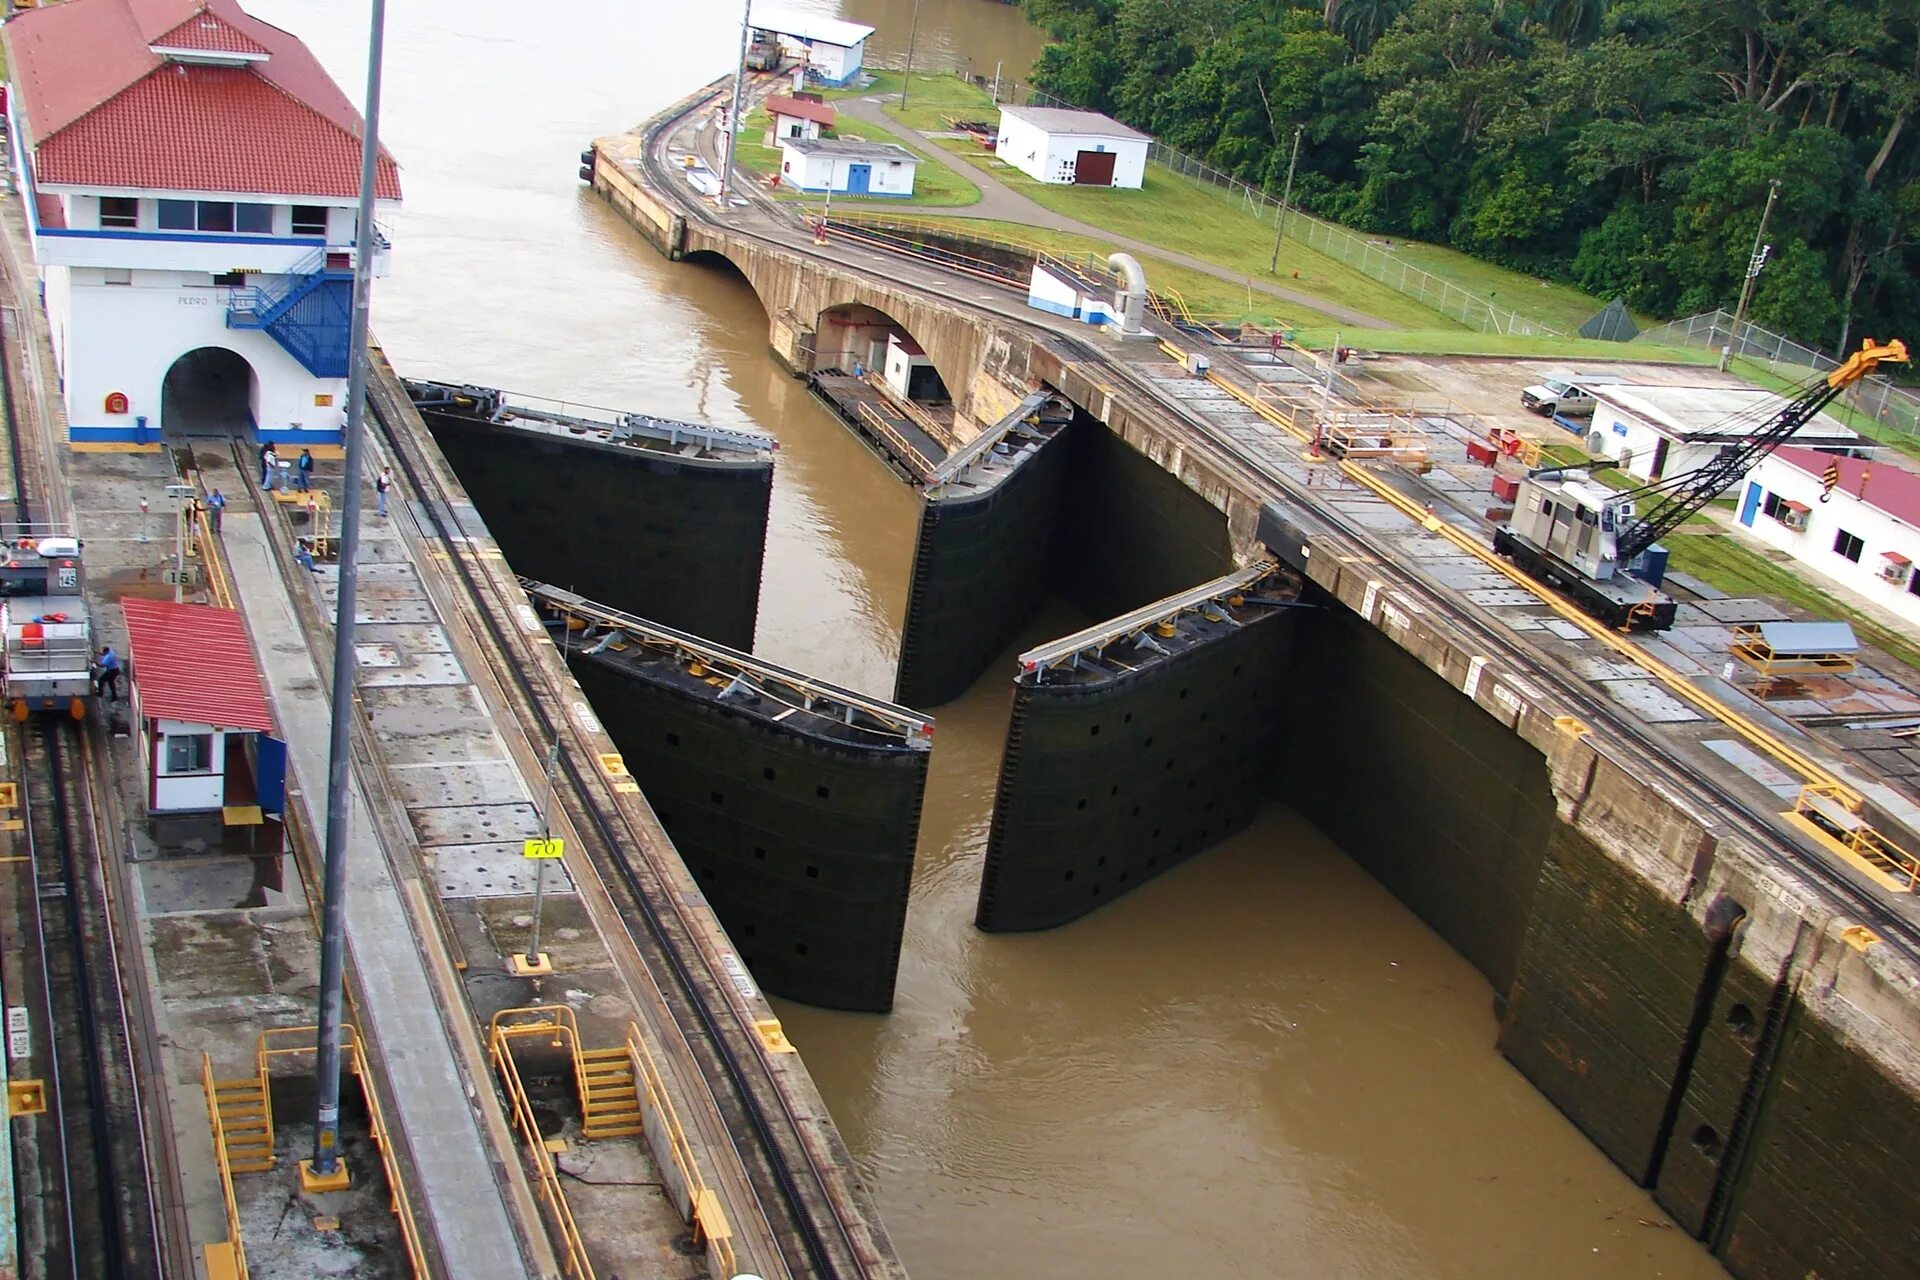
48	657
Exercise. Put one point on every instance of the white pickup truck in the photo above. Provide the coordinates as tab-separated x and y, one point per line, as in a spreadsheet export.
1564	394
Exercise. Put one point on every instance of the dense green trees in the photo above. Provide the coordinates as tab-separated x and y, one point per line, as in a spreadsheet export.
1625	145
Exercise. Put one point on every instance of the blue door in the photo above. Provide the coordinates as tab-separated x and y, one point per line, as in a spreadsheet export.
270	773
1749	504
858	175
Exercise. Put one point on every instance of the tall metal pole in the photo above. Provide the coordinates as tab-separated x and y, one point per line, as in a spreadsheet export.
733	114
906	77
333	912
1754	263
1280	219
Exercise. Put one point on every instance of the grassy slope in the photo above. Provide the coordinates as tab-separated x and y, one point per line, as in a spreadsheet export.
1467	343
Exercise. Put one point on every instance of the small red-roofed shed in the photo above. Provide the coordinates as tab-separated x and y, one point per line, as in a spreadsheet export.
200	712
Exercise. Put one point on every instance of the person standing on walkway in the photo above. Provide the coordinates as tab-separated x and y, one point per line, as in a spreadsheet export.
107	673
381	484
267	459
216	505
305	468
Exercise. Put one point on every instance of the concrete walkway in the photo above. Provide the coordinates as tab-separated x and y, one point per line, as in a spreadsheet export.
1002	203
430	1113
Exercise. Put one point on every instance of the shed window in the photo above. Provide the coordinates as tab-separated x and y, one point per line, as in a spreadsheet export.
1848	545
189	752
119	211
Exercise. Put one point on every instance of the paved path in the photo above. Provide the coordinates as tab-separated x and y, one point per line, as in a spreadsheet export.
1002	203
453	1168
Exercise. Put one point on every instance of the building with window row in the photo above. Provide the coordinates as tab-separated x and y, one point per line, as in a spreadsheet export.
190	177
1864	534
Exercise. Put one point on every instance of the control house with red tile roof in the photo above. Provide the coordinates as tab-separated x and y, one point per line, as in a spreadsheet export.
190	176
1865	535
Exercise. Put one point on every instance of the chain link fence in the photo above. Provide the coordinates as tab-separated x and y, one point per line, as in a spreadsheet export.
1875	398
1372	258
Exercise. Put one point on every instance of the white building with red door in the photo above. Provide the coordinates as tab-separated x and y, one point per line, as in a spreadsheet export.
1080	148
190	177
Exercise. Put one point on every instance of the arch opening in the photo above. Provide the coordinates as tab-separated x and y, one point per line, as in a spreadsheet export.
858	339
210	391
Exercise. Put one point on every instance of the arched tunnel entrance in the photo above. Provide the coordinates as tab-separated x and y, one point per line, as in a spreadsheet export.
877	377
209	391
856	338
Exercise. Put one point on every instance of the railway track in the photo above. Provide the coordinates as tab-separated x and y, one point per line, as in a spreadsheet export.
794	1191
92	1212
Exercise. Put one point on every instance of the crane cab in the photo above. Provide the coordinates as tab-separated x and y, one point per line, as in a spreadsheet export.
1566	530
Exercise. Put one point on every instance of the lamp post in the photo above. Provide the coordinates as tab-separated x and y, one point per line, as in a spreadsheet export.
906	77
733	112
1756	260
325	1172
1280	219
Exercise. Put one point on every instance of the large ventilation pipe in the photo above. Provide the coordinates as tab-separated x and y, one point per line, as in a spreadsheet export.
1131	301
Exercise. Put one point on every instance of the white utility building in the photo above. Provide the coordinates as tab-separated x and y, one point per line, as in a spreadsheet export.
847	167
189	176
834	51
1080	148
798	117
1657	431
1864	536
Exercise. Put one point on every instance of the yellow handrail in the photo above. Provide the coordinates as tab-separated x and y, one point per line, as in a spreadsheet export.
894	438
554	1021
234	1246
709	1222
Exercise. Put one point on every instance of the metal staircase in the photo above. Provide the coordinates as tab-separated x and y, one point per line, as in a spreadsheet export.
306	311
609	1095
246	1121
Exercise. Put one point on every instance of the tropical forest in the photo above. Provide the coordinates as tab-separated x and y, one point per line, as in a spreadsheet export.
1630	148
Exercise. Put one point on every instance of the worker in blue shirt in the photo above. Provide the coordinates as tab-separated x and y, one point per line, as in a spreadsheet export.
304	465
216	507
107	673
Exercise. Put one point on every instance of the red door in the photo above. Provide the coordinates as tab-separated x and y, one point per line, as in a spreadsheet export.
1093	168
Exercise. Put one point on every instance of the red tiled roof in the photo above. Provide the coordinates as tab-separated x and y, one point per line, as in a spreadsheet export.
227	129
801	109
74	60
192	662
1887	487
207	32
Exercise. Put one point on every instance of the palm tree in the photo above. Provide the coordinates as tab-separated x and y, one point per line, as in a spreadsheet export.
1361	22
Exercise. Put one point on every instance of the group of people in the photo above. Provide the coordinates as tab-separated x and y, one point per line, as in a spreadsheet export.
303	476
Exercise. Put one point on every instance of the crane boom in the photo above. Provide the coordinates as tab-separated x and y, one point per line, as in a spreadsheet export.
1685	495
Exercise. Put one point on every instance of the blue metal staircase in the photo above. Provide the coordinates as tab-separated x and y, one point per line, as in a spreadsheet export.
306	311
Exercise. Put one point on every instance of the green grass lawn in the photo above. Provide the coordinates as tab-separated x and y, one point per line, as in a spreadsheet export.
1560	305
1466	342
1721	562
933	100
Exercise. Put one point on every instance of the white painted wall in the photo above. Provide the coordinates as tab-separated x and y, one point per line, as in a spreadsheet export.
813	173
124	337
785	126
1814	548
84	243
1050	157
188	792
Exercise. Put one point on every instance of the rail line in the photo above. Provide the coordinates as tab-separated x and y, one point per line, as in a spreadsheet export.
95	1126
792	1193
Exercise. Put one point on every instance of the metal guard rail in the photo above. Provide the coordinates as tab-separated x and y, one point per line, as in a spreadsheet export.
234	1246
902	720
886	430
500	1035
1068	649
709	1223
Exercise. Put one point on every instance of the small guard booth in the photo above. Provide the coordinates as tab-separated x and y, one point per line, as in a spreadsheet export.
200	715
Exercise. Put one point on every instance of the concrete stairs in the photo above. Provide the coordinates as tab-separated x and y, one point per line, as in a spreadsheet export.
609	1095
246	1120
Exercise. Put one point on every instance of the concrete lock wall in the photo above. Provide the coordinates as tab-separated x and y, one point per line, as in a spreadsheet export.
678	541
1105	785
804	847
1088	519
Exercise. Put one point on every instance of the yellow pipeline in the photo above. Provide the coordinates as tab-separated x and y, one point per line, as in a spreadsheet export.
1802	764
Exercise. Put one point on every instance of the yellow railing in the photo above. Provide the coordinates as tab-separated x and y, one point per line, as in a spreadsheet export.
355	1055
227	1257
1835	816
912	412
208	548
556	1023
709	1220
892	436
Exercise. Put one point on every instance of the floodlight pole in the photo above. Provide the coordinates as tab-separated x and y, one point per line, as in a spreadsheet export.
325	1170
906	77
733	113
1280	219
1754	263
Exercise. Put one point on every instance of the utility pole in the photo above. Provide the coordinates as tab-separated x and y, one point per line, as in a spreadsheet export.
1755	261
325	1172
906	77
1280	219
733	113
996	79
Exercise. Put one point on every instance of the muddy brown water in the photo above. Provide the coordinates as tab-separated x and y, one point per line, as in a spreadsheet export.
1258	1065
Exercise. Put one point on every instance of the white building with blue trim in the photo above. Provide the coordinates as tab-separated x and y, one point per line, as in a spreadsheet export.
190	177
847	167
